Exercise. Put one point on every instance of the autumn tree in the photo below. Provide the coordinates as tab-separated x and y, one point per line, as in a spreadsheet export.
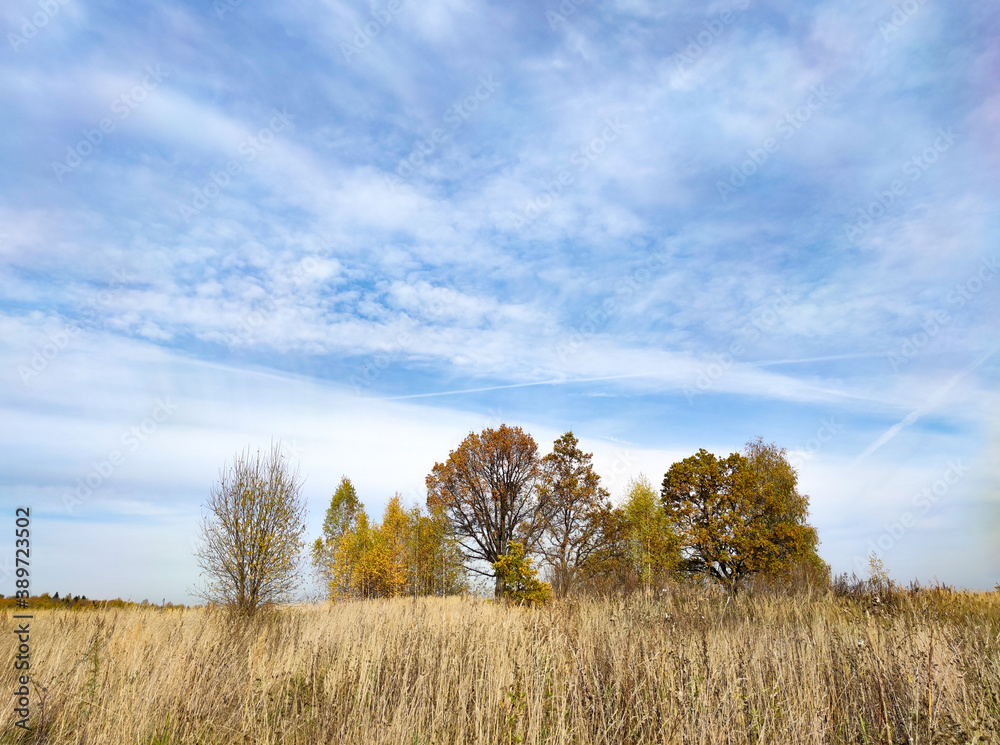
434	558
407	553
488	490
357	563
768	483
608	568
653	546
370	560
396	537
739	515
252	535
570	498
518	579
341	517
637	545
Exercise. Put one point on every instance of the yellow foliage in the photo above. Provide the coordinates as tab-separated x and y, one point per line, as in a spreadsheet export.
401	556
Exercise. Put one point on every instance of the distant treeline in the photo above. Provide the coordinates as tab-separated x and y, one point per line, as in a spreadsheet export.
76	602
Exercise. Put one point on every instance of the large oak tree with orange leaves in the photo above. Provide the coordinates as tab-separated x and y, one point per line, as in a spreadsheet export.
488	488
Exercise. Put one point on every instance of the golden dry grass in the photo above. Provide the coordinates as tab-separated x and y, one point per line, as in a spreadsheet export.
687	666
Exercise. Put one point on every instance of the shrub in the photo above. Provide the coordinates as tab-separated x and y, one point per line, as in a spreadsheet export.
518	580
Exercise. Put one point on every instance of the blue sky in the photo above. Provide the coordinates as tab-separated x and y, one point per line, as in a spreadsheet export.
370	228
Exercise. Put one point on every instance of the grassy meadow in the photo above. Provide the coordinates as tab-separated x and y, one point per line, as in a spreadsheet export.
683	666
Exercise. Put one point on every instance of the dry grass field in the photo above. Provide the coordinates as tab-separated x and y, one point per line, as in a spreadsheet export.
687	666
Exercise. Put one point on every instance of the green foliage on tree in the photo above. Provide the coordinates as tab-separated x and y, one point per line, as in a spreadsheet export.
653	546
517	579
341	517
637	546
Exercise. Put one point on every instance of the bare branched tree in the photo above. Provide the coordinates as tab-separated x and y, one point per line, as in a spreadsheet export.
252	535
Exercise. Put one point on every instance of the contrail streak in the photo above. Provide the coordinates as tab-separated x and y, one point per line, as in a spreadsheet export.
556	381
859	355
914	415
